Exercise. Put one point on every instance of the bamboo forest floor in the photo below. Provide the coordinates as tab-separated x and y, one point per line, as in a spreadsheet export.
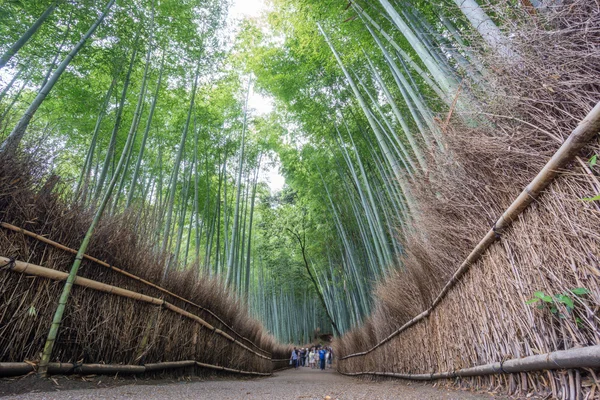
303	383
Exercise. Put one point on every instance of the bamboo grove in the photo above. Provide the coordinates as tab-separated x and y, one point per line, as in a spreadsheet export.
387	118
140	80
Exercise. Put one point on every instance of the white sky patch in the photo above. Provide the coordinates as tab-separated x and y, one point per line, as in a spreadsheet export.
258	103
270	175
247	8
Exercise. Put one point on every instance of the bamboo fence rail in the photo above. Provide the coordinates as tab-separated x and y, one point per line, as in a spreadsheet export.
36	270
129	275
583	357
585	131
23	368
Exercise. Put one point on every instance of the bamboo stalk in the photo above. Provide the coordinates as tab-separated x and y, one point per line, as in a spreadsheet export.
127	274
23	368
36	270
237	371
582	357
169	365
585	131
15	368
86	369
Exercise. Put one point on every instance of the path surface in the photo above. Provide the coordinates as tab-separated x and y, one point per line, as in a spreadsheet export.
303	383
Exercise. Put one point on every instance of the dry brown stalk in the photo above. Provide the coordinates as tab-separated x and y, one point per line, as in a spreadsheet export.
584	132
23	368
584	357
36	270
123	272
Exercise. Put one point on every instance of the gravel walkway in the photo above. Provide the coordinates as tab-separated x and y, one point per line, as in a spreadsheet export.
303	383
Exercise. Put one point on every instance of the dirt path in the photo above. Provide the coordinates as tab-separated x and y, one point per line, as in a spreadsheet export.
303	383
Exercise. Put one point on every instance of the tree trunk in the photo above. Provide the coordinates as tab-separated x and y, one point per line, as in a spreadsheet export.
113	137
27	35
171	198
12	141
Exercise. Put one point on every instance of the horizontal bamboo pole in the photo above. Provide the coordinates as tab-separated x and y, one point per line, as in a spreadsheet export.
585	131
87	369
36	270
15	369
169	365
127	274
22	368
237	371
582	357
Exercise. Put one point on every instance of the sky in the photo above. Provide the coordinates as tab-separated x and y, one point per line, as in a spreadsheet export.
259	104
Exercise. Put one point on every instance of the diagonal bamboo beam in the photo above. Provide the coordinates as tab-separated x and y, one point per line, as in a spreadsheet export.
585	131
36	270
127	274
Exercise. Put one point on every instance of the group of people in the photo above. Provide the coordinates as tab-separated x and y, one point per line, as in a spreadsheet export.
315	357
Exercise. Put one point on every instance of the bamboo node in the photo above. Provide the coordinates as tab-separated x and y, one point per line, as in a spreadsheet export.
10	264
497	232
502	367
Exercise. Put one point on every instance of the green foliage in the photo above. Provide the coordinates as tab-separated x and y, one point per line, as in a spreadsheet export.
588	199
554	303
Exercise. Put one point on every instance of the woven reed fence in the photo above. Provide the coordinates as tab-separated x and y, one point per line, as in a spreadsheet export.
459	310
481	316
118	319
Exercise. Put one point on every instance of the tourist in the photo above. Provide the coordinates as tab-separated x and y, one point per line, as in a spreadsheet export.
294	358
330	357
302	356
311	358
322	354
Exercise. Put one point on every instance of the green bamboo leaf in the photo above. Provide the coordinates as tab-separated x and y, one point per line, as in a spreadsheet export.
32	312
566	300
580	291
593	161
595	198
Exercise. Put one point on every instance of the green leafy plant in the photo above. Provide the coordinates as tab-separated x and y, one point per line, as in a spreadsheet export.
595	198
593	161
553	302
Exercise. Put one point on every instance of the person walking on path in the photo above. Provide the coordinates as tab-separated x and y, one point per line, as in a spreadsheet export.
294	358
302	357
322	354
311	358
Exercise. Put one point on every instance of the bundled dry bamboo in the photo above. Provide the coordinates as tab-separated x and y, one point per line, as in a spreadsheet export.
480	314
110	329
129	275
36	270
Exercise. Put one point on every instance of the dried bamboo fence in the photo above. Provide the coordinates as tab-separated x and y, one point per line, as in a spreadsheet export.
10	369
118	319
459	310
585	131
36	270
129	275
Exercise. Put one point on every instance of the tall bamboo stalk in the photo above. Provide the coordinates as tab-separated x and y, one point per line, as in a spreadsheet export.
12	141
